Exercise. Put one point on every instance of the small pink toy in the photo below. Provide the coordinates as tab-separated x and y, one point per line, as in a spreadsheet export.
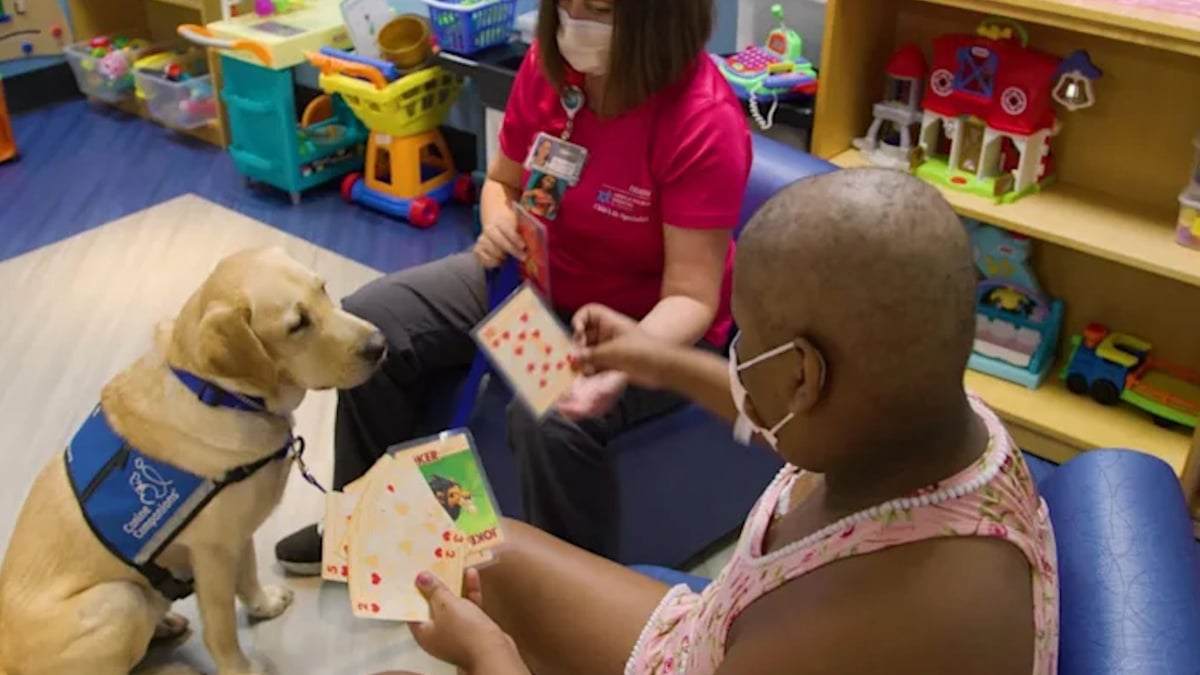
264	7
114	65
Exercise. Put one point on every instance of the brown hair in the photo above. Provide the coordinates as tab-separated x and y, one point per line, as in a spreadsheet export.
644	54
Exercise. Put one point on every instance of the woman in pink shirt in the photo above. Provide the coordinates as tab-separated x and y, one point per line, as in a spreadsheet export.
646	229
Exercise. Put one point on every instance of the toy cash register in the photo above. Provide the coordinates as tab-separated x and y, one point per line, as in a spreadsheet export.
776	71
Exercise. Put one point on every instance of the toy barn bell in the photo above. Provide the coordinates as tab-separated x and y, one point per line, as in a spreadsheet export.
1073	90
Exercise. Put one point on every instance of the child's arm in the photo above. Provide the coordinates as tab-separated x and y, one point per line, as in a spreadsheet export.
700	376
504	660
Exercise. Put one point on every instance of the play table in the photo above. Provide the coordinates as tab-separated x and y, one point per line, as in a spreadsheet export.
267	142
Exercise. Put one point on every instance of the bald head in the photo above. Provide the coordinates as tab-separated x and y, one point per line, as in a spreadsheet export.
874	267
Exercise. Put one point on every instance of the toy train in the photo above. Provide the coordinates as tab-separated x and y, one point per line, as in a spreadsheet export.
1114	367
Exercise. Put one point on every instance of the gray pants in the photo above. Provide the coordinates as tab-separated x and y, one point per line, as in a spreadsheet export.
568	477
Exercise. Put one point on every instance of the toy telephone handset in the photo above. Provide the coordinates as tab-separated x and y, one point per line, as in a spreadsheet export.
784	41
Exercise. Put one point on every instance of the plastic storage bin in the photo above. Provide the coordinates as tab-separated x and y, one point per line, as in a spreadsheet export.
467	26
185	104
104	69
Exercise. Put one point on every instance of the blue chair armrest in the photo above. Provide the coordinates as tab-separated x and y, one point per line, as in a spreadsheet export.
1129	569
672	577
775	166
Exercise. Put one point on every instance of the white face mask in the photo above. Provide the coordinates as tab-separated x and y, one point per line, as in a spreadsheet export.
745	427
584	44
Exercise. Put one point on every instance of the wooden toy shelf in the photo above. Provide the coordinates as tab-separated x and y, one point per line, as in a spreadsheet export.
1106	225
156	20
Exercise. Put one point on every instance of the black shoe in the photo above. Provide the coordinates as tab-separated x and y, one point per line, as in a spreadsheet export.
300	552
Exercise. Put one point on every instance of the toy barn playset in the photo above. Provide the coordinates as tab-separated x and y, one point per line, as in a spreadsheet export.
981	116
1114	367
1187	229
1016	321
777	70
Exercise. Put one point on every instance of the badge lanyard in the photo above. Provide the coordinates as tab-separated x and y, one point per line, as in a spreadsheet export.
554	162
572	103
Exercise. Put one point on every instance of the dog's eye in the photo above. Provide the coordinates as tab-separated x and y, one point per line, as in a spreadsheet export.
301	323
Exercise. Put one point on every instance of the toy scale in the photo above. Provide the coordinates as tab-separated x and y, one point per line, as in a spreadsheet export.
777	70
1016	322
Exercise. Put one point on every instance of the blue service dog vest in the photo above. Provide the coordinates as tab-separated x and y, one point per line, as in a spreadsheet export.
137	505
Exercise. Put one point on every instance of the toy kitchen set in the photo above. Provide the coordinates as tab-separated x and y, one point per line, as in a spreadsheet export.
258	51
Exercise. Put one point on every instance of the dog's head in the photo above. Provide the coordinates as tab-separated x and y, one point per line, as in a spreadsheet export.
263	324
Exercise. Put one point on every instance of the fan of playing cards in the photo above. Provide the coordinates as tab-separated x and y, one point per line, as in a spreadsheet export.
427	506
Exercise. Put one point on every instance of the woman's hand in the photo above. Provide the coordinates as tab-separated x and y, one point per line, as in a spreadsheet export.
458	631
592	395
499	239
609	341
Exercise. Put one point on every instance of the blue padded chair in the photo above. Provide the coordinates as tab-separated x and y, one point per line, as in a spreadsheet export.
685	484
1129	567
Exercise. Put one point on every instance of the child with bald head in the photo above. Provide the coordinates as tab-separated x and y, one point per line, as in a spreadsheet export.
903	535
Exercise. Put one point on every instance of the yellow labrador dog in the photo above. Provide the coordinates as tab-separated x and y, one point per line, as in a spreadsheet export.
161	490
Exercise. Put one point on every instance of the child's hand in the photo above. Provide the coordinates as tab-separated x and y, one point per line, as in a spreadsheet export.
596	324
458	631
607	340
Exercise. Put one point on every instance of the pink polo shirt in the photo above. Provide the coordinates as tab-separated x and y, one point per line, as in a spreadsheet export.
681	158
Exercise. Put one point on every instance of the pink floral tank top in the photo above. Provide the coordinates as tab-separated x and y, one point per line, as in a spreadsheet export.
994	497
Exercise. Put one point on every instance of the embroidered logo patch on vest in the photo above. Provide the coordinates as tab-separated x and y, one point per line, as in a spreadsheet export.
133	503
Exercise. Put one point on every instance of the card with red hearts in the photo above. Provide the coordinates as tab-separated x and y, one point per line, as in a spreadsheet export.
526	343
399	530
335	537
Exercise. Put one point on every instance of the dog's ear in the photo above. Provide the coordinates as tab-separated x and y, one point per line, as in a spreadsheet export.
226	346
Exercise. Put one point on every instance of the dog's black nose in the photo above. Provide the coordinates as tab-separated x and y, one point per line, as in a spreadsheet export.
375	348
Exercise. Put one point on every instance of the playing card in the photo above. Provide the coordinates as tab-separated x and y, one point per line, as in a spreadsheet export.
530	348
334	567
339	513
536	267
455	476
400	531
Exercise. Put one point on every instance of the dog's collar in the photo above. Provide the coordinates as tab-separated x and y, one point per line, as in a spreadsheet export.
212	395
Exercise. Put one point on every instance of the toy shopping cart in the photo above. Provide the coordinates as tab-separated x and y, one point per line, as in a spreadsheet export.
409	172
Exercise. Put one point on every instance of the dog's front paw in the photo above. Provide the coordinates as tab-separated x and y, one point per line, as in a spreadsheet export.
270	602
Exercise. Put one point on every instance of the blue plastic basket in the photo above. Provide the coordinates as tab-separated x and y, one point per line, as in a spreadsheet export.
466	27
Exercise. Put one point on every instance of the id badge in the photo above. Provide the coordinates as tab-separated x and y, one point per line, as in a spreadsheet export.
553	156
543	194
